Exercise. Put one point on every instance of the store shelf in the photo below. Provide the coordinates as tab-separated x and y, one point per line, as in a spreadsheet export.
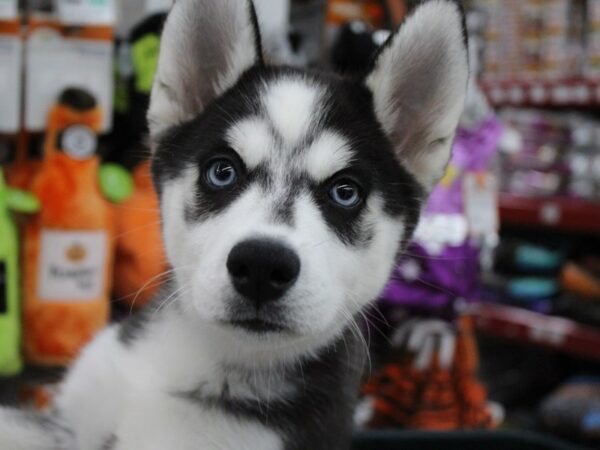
580	93
558	213
460	439
528	327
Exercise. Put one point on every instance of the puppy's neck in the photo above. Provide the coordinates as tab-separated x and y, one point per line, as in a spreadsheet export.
300	388
185	352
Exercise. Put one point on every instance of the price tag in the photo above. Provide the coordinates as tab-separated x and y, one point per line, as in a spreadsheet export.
86	12
550	331
538	93
550	213
516	94
497	95
8	9
481	203
561	94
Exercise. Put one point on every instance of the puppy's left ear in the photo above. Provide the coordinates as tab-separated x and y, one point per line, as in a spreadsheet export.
206	45
419	84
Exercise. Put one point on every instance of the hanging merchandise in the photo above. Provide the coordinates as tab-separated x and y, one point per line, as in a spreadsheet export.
11	200
435	357
11	50
22	163
86	12
140	261
8	9
72	47
136	62
592	26
533	40
69	245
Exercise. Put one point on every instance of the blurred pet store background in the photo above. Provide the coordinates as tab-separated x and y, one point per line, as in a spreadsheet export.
491	320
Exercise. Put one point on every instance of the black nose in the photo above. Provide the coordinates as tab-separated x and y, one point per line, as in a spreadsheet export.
262	270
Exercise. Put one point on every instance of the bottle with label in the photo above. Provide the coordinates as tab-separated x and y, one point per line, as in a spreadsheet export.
10	310
68	247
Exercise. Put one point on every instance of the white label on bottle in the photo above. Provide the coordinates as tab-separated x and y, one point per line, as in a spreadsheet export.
8	9
54	63
86	12
72	265
11	56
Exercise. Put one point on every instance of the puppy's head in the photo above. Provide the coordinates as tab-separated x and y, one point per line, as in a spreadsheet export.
286	195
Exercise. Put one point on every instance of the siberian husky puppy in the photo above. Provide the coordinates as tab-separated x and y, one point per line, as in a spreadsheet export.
286	196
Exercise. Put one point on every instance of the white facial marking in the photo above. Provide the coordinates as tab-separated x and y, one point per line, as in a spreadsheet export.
194	424
291	105
173	212
252	140
336	279
328	154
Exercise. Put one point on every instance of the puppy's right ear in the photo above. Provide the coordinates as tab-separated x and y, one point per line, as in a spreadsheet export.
206	46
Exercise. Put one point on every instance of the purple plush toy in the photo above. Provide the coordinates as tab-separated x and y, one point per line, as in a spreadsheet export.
442	264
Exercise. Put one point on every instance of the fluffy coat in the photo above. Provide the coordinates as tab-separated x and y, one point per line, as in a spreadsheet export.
331	170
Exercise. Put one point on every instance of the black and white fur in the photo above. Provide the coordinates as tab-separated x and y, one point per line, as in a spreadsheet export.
204	367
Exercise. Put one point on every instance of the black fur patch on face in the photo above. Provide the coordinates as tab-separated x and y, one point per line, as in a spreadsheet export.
350	112
347	109
349	224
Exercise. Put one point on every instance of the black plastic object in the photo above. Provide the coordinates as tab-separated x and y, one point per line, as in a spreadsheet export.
77	99
354	49
465	440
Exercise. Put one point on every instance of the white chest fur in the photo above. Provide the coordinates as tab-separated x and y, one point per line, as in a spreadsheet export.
121	394
159	422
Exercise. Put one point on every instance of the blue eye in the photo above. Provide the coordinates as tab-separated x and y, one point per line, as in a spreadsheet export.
220	174
345	193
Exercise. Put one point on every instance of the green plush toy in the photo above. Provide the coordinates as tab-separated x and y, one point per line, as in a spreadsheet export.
10	310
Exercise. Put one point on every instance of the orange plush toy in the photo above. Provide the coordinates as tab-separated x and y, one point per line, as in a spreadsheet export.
434	398
140	260
68	246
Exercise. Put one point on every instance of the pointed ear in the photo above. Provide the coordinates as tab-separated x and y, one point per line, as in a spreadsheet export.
206	45
419	83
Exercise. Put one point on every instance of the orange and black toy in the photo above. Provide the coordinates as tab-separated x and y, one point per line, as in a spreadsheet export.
69	246
140	261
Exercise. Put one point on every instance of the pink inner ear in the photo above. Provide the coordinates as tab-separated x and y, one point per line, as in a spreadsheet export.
205	47
419	86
